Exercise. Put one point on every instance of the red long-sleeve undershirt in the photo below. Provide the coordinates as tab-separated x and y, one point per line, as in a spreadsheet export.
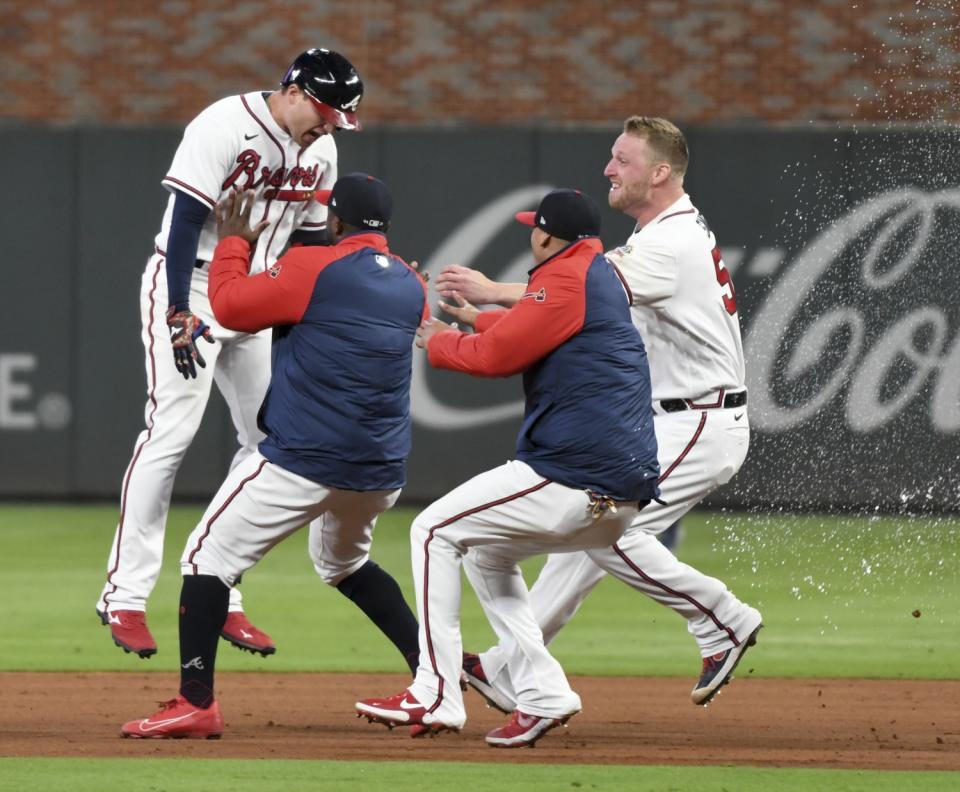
510	341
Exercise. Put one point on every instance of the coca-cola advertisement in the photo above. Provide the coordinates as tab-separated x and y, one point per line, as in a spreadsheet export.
842	248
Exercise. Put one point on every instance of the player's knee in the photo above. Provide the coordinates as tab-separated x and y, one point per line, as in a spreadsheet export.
334	571
227	578
422	525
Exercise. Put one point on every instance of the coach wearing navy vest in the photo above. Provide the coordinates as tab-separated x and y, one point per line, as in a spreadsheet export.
337	423
586	462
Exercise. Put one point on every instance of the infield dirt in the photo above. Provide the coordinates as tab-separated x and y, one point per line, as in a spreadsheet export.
875	724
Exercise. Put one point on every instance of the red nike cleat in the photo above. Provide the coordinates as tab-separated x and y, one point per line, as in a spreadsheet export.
401	710
524	730
238	631
178	719
472	672
130	632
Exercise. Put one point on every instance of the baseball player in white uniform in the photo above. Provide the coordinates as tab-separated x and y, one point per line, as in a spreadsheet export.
684	304
278	146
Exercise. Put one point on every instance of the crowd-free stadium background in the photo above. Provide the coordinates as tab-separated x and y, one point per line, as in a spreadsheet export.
825	157
822	156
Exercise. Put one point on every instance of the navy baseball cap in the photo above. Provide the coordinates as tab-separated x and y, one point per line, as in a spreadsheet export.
360	200
565	214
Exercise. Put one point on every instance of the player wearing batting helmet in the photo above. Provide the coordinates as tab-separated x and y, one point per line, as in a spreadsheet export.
278	146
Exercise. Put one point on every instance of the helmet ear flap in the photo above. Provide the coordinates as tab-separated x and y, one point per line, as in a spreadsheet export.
332	84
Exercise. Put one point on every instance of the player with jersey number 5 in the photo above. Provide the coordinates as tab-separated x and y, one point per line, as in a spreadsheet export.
685	307
278	146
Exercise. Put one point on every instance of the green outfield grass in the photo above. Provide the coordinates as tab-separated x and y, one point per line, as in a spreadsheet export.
190	775
837	595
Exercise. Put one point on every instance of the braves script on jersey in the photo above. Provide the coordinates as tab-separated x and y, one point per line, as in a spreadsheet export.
235	144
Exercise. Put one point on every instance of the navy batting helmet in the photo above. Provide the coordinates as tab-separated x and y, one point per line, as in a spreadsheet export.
330	82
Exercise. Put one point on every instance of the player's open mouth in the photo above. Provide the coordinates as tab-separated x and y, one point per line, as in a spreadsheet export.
614	186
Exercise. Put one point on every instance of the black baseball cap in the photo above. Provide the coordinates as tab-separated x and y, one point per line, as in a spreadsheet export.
565	214
360	200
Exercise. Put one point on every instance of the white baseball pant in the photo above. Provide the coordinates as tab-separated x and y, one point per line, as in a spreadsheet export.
260	504
501	516
699	450
239	364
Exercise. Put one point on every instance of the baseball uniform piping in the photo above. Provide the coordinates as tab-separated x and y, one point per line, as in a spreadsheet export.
220	511
623	280
283	165
718	404
691	444
194	190
699	606
685	211
657	583
151	394
426	573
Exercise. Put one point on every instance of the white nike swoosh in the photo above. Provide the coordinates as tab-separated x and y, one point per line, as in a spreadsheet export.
409	705
167	722
114	619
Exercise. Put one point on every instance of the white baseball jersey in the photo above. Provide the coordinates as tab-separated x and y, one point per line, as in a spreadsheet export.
684	304
235	144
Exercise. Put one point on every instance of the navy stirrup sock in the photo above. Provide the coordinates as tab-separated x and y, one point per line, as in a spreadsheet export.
377	594
203	610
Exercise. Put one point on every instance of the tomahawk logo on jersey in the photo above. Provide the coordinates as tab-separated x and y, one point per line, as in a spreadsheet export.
538	296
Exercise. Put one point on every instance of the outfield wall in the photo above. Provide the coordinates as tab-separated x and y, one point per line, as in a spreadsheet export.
843	247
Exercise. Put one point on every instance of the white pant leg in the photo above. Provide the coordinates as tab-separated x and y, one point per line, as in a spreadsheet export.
553	603
172	415
537	680
340	538
260	504
242	376
698	452
517	510
715	617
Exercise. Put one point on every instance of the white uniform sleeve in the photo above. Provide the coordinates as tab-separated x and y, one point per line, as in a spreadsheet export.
315	217
649	267
203	158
